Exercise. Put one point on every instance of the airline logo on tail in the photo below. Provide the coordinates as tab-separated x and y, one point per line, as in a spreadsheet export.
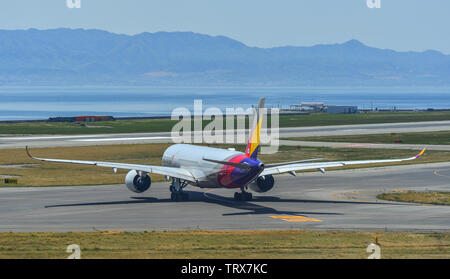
253	141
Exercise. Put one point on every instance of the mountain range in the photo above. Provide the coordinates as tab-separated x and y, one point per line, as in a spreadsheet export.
96	57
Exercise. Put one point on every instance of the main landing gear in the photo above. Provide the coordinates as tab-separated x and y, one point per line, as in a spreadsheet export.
243	195
176	189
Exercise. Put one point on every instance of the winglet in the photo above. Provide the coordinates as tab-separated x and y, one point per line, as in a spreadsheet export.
28	152
420	154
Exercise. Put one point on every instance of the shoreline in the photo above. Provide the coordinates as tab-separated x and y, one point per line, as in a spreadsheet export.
282	112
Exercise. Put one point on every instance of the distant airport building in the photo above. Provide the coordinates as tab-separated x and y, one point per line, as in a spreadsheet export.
310	106
81	118
322	107
93	118
342	109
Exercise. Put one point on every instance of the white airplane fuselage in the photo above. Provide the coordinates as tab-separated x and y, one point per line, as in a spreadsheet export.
212	175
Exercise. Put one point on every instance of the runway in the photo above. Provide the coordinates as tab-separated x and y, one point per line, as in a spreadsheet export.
366	145
338	200
9	142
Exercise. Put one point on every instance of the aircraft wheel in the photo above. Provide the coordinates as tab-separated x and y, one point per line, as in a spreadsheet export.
184	196
237	196
244	196
175	197
248	196
179	196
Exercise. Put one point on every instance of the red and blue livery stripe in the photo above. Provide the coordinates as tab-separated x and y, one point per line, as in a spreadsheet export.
234	177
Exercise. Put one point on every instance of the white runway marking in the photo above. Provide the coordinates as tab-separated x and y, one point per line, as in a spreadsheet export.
352	130
120	139
46	137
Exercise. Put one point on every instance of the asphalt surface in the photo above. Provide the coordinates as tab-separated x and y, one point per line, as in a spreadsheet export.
338	200
9	142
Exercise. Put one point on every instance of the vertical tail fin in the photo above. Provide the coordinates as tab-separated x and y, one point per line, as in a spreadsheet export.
253	140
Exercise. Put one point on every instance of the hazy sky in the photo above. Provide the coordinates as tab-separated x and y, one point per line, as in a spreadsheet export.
398	24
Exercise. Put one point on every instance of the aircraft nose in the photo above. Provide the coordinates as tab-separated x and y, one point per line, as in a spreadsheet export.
261	165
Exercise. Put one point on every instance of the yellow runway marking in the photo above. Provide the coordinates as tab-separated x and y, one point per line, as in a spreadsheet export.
290	218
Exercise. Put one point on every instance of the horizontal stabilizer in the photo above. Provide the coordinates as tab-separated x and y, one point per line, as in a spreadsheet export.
237	165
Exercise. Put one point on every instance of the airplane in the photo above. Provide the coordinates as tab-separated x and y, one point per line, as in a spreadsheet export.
208	167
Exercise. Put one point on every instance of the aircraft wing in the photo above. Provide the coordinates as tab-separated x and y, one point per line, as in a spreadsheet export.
167	171
321	166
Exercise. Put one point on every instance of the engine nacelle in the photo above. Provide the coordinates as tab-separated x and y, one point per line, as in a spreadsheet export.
137	183
262	184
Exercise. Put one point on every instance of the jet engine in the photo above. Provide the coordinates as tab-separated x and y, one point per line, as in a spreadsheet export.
137	183
262	184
